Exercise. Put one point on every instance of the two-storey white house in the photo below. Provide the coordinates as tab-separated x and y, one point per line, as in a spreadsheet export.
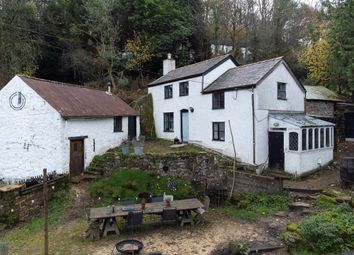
261	104
61	127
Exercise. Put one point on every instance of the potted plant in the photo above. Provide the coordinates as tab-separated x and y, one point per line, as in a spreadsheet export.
168	201
125	147
138	145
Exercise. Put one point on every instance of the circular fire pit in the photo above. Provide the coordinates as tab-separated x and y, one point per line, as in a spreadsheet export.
129	247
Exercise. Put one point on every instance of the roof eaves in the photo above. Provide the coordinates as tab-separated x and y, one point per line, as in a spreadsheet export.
228	89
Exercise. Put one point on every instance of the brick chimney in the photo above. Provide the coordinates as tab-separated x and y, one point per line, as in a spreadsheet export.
169	64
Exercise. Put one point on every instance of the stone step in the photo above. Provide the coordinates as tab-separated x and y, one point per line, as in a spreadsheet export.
298	205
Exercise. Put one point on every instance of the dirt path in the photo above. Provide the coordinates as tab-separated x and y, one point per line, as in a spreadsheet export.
201	240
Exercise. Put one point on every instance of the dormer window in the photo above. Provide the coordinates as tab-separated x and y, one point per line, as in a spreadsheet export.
183	89
168	91
218	100
281	90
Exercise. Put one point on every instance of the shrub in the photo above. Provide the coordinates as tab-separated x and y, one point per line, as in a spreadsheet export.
324	233
237	247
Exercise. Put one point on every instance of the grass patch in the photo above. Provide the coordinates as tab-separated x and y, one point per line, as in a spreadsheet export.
161	146
128	184
56	207
249	206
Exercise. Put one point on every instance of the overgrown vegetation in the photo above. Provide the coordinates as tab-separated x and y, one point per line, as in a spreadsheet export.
56	207
129	183
329	232
249	206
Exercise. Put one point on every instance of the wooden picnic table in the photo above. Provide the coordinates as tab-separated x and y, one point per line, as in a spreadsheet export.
150	208
186	206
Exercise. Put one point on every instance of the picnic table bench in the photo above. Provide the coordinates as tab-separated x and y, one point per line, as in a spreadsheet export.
184	206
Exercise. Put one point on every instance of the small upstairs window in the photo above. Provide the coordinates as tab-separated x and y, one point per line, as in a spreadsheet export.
183	89
168	92
293	141
218	100
281	90
117	124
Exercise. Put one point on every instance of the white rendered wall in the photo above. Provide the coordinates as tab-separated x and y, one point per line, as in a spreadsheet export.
30	139
237	109
100	130
266	99
267	92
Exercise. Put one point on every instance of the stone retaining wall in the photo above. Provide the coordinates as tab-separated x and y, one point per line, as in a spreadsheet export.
210	170
22	204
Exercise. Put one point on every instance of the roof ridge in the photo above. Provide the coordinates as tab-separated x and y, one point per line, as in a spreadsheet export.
221	56
60	83
262	61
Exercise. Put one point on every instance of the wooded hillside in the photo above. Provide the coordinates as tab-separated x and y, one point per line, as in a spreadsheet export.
93	42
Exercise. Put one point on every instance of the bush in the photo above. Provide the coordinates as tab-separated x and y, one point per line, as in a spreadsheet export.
324	233
238	248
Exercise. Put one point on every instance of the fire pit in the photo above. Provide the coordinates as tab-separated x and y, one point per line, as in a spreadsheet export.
129	247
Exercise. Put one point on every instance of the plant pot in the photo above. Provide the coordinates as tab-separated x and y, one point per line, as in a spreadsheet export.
125	150
168	203
142	206
138	150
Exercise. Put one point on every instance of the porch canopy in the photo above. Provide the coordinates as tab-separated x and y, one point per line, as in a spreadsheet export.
308	142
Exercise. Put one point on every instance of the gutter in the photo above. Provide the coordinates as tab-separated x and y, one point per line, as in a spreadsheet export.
253	128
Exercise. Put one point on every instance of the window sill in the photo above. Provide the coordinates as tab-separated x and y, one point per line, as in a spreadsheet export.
215	140
168	131
283	99
183	95
118	131
218	108
168	98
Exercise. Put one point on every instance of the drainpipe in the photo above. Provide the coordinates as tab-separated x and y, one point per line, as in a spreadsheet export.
202	83
253	128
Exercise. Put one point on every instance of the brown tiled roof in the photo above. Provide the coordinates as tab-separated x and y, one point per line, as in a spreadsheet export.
73	101
192	70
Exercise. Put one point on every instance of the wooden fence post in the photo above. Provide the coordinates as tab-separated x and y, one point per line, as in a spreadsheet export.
45	202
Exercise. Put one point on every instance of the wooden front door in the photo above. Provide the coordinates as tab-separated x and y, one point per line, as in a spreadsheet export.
131	127
184	126
76	157
276	150
349	124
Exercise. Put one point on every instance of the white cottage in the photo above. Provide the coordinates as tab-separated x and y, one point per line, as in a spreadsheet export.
61	127
263	102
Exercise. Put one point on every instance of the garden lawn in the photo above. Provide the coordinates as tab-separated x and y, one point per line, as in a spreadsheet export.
248	206
129	183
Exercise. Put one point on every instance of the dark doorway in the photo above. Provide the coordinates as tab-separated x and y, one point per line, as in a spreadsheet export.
276	150
131	127
349	124
76	157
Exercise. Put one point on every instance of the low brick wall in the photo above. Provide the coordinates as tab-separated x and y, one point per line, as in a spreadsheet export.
209	169
22	204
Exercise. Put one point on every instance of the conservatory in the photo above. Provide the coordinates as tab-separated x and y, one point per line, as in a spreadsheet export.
299	143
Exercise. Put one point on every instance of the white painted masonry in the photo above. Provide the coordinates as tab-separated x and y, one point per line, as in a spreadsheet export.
36	137
238	110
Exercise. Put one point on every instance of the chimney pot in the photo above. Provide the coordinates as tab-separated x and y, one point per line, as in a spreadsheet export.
169	64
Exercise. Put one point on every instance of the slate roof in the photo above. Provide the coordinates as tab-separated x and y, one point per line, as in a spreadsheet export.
322	93
193	70
300	119
242	76
73	101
